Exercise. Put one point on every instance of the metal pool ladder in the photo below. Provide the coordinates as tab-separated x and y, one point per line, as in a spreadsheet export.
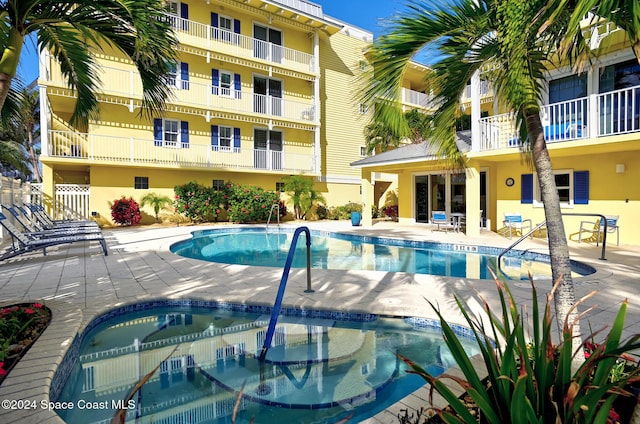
283	283
275	206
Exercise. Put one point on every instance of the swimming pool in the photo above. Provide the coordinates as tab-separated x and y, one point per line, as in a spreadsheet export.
329	250
324	366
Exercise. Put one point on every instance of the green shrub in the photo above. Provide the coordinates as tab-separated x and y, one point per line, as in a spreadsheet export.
200	203
531	379
248	204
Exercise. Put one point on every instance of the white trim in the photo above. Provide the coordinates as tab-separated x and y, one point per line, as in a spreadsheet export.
536	189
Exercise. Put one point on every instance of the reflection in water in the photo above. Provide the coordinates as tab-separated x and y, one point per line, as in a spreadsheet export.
318	370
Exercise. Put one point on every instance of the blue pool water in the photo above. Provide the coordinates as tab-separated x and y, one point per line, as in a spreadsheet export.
320	369
257	247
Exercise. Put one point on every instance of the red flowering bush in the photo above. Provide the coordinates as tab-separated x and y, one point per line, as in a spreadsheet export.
242	204
199	203
20	325
125	211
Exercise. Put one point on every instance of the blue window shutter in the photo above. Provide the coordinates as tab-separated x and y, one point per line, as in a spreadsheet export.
184	132
236	138
581	187
214	20
184	71
236	26
184	75
157	132
237	86
215	137
184	11
526	194
215	81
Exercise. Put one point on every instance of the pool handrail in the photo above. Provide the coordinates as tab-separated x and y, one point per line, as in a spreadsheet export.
543	223
283	283
277	206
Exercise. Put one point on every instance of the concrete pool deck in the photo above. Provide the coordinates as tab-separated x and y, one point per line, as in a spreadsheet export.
77	282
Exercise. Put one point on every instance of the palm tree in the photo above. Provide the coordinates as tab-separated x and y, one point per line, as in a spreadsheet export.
12	153
21	120
302	193
71	30
156	201
501	39
379	135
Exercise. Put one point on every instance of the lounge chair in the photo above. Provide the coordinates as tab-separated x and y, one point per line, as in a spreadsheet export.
34	230
442	221
515	224
23	244
596	229
39	213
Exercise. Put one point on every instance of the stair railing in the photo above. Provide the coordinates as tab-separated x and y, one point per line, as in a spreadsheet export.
283	283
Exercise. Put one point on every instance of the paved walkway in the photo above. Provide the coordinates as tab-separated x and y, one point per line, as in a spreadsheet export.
78	283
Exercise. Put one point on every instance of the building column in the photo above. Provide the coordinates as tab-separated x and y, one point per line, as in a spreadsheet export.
475	112
367	197
473	201
48	188
316	102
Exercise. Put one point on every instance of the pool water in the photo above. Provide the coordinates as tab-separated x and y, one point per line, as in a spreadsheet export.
318	370
258	247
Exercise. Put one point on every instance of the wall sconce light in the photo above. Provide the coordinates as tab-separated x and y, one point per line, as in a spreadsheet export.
620	168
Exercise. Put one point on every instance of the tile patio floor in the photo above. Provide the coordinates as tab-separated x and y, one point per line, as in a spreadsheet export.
78	283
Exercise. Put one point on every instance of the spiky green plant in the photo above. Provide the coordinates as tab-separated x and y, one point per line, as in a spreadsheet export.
529	378
156	201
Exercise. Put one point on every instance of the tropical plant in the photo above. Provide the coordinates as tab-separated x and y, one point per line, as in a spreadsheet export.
529	378
125	211
251	203
302	193
504	40
73	30
379	135
20	127
156	201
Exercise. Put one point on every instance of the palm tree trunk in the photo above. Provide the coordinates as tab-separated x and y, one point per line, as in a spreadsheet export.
558	248
9	62
34	159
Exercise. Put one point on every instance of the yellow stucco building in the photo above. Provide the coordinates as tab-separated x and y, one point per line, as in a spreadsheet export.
263	89
592	127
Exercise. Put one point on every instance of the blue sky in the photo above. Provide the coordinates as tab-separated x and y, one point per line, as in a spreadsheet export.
367	14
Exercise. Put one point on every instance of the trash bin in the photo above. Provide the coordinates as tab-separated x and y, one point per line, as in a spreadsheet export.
356	217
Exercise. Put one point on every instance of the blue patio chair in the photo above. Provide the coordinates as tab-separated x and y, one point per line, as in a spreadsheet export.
515	224
442	221
596	229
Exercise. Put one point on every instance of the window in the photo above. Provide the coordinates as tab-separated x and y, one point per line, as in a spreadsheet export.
226	80
363	151
218	185
225	28
280	186
178	76
573	188
171	133
226	137
363	65
363	108
141	183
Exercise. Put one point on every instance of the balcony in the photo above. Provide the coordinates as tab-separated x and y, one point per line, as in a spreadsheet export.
123	83
294	158
599	115
416	98
486	92
228	43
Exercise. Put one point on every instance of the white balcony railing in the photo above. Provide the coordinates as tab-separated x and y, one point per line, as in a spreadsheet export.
101	148
486	89
599	115
238	45
416	98
126	83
